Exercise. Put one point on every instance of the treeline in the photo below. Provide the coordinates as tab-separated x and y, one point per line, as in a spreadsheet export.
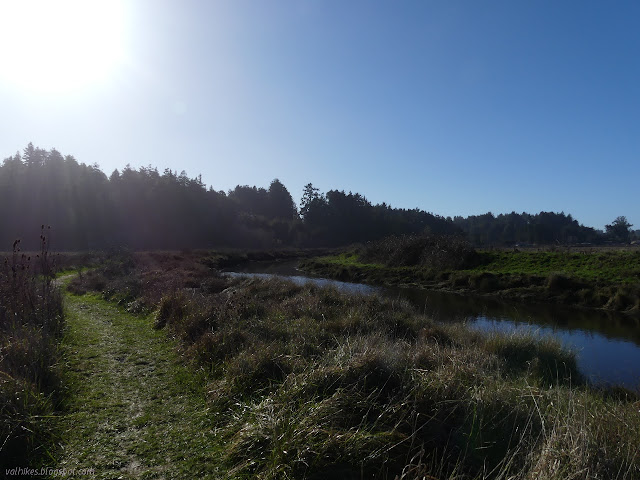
137	208
145	209
544	228
337	218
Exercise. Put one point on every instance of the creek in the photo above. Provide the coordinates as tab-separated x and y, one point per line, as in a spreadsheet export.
607	344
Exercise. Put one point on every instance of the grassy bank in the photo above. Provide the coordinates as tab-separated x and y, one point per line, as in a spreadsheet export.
594	279
231	258
304	382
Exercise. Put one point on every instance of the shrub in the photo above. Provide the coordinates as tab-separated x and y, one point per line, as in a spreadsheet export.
436	252
485	282
559	282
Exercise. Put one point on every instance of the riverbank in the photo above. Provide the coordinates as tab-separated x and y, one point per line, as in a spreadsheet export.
306	382
230	258
607	280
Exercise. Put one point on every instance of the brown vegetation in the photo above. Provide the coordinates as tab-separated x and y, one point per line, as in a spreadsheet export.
31	318
308	383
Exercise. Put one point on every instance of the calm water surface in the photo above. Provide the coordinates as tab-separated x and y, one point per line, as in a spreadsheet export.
607	345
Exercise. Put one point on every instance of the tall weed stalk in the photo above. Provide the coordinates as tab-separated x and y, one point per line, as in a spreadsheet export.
31	317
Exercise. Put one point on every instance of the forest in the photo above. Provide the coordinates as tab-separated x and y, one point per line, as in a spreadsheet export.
145	209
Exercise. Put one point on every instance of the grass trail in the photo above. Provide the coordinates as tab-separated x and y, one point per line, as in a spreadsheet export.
134	410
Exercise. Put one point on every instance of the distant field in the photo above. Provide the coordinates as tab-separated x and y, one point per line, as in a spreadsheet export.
598	265
606	278
605	265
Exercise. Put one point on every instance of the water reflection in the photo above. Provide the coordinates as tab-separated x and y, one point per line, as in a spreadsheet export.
607	344
443	306
322	282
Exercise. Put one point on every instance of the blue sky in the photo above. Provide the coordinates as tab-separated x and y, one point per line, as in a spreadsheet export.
454	107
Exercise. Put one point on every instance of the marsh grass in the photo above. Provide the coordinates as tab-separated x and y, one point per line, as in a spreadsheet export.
432	252
31	320
607	280
314	383
611	267
306	382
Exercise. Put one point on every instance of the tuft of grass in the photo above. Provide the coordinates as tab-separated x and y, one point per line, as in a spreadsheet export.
544	357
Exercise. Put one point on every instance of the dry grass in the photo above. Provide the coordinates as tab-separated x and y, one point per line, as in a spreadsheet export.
309	383
432	252
31	318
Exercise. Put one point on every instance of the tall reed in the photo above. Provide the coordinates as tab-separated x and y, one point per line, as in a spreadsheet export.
31	317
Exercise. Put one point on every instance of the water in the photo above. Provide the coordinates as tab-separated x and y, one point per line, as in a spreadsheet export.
607	344
321	282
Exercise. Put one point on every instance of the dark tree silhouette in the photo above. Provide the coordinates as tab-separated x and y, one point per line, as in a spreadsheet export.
338	218
309	195
145	209
619	230
544	228
281	204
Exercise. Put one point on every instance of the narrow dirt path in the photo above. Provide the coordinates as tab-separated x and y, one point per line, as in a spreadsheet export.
134	411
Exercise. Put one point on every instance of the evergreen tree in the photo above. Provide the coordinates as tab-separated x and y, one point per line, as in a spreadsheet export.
619	230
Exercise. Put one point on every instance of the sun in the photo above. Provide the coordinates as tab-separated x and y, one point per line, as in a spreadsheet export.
54	46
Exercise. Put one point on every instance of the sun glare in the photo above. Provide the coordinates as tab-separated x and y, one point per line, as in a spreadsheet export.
49	46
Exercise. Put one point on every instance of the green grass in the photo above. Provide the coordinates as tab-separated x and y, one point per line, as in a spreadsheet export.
604	267
620	267
308	383
595	279
349	259
134	410
311	384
